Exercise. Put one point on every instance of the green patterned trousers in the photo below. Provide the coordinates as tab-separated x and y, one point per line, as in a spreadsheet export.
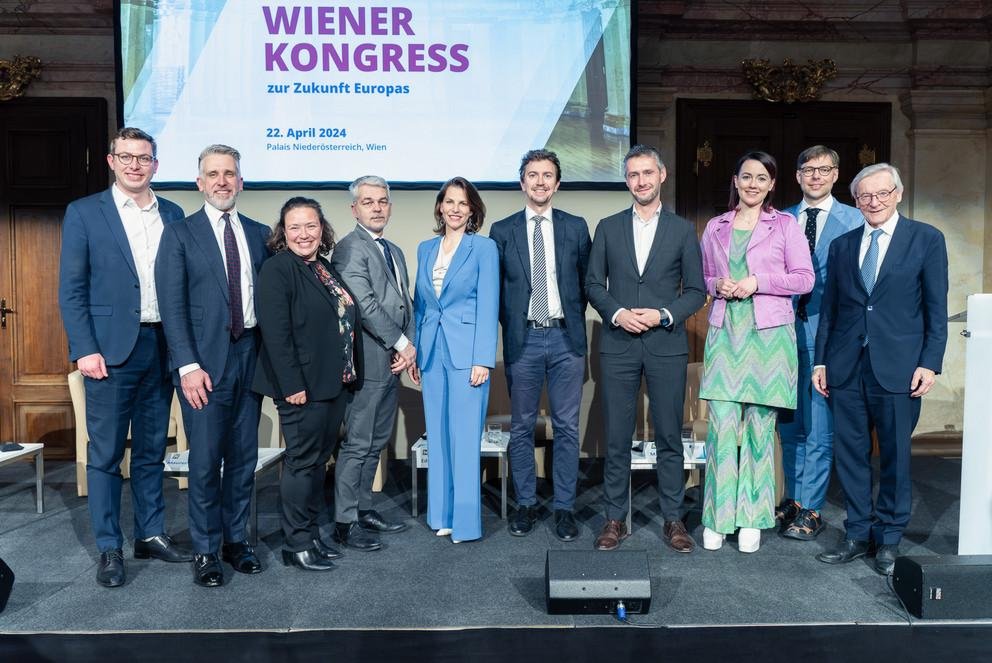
739	493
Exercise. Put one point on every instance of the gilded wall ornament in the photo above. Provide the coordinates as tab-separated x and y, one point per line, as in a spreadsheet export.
17	74
789	82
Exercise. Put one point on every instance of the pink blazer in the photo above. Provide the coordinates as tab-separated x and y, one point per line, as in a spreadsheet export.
778	255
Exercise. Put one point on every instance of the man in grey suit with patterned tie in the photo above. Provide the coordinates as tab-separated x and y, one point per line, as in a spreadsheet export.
374	269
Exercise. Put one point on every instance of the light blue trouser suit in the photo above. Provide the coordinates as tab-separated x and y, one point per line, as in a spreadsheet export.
455	413
807	440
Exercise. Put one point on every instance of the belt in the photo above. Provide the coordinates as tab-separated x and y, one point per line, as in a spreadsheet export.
153	325
550	322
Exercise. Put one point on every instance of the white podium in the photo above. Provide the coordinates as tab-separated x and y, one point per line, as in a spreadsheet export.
975	524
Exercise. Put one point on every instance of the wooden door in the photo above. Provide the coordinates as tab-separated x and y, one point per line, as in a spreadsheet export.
52	153
713	134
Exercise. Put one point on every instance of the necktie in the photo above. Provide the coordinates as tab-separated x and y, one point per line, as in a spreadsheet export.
233	259
388	254
870	264
811	214
810	232
538	276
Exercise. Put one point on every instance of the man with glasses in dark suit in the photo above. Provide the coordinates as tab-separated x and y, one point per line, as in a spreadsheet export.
111	315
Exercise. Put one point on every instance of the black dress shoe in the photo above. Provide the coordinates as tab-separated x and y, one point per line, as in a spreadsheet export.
207	571
848	551
522	521
308	560
241	557
353	536
324	550
565	527
161	547
885	558
110	571
373	522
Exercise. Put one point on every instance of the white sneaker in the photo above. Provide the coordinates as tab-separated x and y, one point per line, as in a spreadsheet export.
444	531
712	540
749	539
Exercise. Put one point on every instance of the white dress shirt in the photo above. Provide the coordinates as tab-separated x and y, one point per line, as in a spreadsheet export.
824	206
884	239
143	227
644	232
247	281
551	272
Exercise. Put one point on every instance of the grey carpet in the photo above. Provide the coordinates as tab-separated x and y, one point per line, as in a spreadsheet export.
422	581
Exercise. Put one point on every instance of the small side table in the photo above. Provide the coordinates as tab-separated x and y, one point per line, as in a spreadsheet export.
33	450
486	449
645	458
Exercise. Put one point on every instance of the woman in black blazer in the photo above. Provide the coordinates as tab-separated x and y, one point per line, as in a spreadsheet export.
309	363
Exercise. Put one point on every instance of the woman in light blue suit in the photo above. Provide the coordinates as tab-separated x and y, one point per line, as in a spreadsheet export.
456	302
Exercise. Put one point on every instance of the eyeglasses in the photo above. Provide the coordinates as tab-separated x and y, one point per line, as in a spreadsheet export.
369	203
823	170
882	196
143	159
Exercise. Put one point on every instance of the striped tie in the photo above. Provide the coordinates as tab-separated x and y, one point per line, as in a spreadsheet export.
539	276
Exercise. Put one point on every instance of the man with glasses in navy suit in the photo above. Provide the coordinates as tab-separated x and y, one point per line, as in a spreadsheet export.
879	346
111	315
807	432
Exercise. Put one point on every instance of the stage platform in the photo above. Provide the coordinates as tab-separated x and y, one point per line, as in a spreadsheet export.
424	598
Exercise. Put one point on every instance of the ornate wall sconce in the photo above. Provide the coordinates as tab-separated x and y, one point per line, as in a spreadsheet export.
17	74
789	82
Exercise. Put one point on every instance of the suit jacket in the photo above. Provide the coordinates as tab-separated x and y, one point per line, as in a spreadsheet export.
777	256
298	317
572	245
672	279
192	290
99	293
387	311
841	219
467	310
905	317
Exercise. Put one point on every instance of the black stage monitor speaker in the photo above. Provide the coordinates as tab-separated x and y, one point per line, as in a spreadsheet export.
590	582
945	586
6	583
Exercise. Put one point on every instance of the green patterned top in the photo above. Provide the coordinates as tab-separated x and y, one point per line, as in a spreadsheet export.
742	363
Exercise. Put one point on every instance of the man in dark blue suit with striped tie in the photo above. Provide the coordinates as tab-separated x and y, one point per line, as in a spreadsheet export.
543	255
879	346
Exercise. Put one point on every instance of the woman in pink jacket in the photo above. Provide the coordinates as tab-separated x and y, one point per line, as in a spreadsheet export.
755	258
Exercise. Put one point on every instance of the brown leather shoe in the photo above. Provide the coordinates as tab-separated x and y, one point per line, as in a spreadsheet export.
614	531
677	537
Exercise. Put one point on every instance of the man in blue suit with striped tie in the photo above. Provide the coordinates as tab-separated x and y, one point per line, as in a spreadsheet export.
879	346
807	432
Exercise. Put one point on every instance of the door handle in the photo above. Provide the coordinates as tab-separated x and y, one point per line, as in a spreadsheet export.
3	313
